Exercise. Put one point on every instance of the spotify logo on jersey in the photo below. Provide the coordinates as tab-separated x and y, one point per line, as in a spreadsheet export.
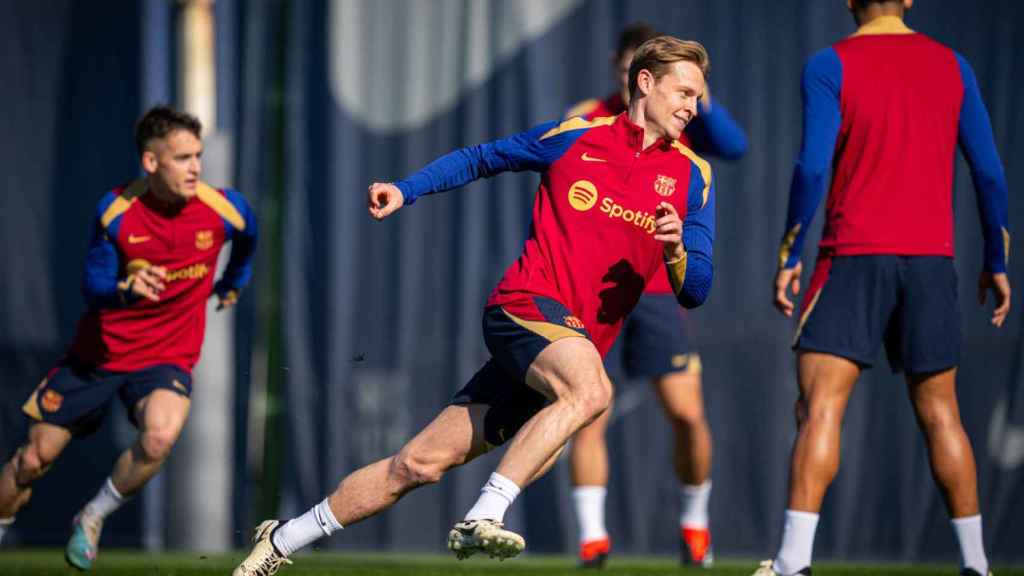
582	195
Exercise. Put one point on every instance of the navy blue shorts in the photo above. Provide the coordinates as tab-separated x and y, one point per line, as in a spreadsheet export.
909	303
515	334
654	341
75	396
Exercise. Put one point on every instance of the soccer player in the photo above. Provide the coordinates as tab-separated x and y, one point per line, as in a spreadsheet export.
655	346
148	274
885	109
620	201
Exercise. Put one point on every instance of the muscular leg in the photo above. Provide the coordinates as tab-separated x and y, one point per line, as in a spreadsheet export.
45	443
161	416
452	439
683	401
588	453
826	382
949	450
569	372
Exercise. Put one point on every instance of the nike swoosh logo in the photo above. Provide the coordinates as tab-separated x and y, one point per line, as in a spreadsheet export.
133	239
588	158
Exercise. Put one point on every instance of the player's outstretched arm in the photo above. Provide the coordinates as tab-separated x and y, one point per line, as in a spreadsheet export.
383	199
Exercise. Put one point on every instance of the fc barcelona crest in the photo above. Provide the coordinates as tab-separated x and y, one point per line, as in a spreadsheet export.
664	185
204	239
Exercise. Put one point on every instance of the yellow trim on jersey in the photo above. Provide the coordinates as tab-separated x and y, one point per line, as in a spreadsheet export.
787	244
1006	246
702	164
123	202
578	123
220	204
547	330
677	273
806	315
31	406
583	108
884	25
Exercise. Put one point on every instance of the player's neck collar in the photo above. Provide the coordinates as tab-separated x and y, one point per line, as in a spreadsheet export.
884	25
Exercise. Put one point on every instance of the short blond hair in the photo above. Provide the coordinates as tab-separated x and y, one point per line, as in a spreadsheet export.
658	54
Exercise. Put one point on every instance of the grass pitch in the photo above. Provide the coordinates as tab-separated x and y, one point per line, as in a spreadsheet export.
124	562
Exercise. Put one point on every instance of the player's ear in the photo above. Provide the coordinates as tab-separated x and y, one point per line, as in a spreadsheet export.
645	81
149	163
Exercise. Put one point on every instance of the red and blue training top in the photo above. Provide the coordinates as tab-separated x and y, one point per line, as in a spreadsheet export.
886	108
132	229
591	245
713	132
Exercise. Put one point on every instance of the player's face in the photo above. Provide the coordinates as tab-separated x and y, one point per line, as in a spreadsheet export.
175	162
622	73
671	103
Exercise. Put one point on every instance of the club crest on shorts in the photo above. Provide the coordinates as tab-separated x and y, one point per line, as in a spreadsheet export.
204	239
665	185
51	401
573	322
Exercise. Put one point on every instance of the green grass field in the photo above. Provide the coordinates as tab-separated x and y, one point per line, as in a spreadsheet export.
123	563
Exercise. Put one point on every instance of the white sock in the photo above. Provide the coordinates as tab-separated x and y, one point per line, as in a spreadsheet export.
589	504
300	532
495	498
106	501
797	542
694	500
5	524
972	548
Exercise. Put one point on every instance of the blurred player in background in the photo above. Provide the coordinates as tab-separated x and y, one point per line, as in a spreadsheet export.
885	109
655	345
148	275
620	201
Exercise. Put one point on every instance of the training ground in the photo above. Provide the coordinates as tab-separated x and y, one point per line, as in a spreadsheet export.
33	562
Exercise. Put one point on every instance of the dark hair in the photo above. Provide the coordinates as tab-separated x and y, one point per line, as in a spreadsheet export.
658	54
633	36
161	120
857	4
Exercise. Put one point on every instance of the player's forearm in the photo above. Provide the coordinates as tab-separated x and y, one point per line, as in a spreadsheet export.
992	207
806	192
690	277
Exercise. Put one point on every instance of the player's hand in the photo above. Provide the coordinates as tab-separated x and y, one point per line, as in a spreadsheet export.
668	229
999	284
146	282
227	300
383	199
787	279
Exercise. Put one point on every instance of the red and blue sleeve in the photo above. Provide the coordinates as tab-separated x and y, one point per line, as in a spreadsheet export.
100	276
714	132
979	148
691	276
238	271
820	88
534	150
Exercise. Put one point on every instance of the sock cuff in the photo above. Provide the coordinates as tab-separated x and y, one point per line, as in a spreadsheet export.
966	520
503	485
802	515
695	490
585	491
6	521
113	489
325	517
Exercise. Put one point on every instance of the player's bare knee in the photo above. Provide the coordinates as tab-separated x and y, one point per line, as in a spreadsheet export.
688	416
156	444
936	417
29	465
410	469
